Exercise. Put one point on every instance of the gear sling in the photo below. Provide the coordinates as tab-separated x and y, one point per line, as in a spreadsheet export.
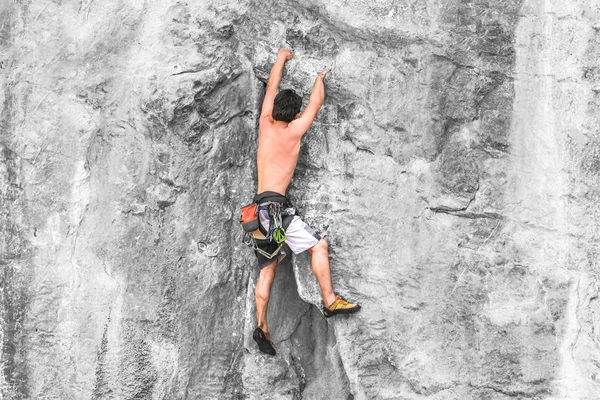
267	242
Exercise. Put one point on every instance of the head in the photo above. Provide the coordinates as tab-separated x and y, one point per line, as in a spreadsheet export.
286	106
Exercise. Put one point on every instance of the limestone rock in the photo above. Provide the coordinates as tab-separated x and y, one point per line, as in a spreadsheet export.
453	170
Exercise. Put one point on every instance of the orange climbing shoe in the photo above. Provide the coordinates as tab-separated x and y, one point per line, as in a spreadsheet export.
339	306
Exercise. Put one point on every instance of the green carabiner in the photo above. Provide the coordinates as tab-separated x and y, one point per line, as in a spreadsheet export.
279	235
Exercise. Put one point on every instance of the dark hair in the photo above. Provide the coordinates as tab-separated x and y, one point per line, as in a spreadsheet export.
286	106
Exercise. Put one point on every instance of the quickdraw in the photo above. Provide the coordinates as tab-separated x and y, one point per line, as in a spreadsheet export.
276	232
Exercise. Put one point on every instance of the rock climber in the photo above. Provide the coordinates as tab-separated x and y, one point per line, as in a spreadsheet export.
280	132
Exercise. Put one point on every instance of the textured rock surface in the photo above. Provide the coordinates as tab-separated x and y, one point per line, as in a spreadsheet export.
454	170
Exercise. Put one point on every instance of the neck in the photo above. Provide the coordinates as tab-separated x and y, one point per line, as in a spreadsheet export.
280	124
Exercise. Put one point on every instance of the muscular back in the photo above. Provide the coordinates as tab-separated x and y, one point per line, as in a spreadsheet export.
278	148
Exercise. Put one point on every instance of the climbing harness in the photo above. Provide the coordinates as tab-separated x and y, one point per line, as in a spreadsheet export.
267	242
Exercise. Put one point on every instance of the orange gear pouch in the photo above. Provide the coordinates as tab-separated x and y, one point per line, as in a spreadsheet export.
249	217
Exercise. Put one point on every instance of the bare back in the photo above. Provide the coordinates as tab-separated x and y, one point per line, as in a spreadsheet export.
279	141
278	149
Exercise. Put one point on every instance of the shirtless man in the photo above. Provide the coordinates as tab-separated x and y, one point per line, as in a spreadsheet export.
279	144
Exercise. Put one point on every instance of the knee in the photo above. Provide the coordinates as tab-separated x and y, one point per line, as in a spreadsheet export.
321	246
267	274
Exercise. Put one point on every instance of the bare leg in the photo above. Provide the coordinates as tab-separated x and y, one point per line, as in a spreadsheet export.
262	292
320	267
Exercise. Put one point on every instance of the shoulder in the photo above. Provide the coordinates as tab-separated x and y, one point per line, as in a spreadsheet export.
266	120
297	128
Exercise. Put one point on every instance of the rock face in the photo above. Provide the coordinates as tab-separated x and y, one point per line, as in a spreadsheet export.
454	170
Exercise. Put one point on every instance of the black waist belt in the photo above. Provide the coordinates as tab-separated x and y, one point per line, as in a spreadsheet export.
271	196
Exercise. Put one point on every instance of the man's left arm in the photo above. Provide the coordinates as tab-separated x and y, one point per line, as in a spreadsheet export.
274	79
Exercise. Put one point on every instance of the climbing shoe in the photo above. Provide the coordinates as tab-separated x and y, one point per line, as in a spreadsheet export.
339	306
263	339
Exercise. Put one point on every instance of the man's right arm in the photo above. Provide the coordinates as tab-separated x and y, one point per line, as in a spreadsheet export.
317	96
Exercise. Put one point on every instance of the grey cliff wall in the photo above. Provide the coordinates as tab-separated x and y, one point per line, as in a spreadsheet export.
454	170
